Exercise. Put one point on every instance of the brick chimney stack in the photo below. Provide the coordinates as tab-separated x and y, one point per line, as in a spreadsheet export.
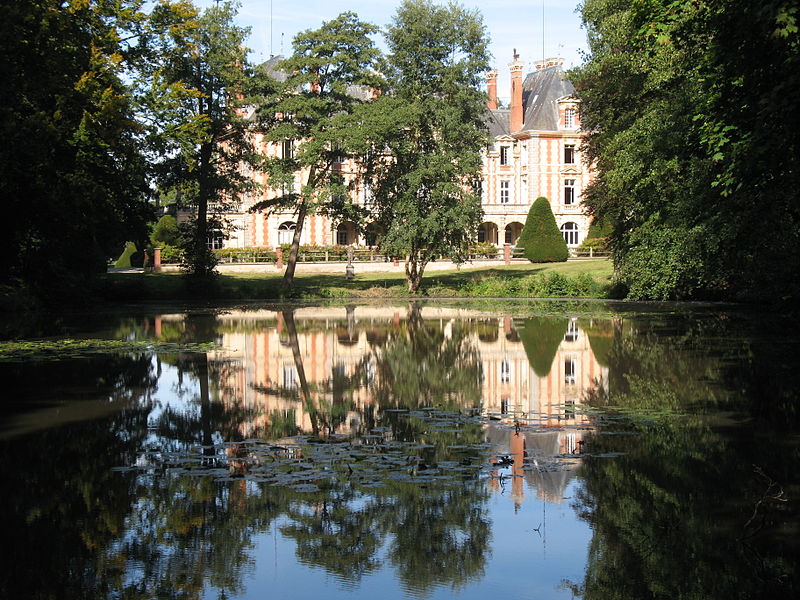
516	67
491	89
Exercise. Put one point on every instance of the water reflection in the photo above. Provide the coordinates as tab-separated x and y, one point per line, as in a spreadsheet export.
392	446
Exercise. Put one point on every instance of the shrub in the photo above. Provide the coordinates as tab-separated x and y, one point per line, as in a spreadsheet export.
541	237
171	255
485	249
165	232
130	257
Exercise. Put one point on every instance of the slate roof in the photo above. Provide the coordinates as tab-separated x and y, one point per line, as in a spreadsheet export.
540	93
541	90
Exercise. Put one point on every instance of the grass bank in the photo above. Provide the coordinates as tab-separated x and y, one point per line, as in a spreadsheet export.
575	279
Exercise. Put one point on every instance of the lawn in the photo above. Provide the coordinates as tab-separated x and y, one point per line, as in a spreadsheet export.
583	278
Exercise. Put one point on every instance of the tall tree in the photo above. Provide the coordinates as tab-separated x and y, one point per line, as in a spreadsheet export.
194	97
693	135
72	178
429	131
331	71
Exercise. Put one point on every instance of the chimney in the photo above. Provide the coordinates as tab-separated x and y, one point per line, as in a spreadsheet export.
491	89
516	92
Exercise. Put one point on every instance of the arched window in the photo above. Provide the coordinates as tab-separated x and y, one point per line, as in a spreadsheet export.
570	232
286	232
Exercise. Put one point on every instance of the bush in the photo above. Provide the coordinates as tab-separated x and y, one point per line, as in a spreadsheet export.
541	237
130	257
165	232
485	249
171	255
246	254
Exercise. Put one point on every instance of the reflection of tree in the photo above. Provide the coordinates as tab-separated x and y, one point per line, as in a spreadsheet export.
541	337
690	510
62	503
422	366
441	536
338	534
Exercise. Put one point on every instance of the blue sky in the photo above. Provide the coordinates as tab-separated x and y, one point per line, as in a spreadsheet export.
510	23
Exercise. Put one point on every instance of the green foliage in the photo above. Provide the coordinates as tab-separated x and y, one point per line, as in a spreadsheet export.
171	255
546	285
165	232
685	103
541	238
193	90
72	175
328	74
425	134
128	257
541	337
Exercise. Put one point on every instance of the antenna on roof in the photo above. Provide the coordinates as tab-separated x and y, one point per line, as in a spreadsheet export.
270	29
281	43
543	53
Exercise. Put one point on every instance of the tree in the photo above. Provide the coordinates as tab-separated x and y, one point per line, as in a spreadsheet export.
541	237
427	133
331	71
194	97
680	101
72	177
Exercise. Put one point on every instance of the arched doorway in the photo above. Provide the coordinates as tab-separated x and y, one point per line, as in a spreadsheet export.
346	233
487	233
512	233
570	232
286	232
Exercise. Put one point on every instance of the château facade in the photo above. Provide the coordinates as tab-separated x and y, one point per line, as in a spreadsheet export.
534	150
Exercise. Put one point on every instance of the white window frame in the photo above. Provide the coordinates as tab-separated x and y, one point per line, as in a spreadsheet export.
569	118
569	192
570	232
504	151
505	191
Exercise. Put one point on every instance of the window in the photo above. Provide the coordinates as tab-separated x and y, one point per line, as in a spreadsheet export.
505	191
503	406
288	149
570	232
341	234
570	368
214	239
286	232
569	154
569	192
572	331
289	381
569	118
503	155
505	371
509	239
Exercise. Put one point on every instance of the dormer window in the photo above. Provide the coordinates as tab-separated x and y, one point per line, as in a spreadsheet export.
569	118
503	155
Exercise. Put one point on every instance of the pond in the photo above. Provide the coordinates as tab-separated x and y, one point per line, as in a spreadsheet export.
402	450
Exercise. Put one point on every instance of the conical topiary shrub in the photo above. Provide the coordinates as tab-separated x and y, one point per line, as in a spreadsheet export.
541	237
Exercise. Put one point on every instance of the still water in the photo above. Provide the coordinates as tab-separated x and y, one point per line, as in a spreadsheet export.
517	450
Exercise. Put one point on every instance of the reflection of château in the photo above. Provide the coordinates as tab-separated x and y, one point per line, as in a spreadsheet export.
332	353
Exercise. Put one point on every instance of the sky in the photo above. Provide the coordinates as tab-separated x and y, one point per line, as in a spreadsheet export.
510	24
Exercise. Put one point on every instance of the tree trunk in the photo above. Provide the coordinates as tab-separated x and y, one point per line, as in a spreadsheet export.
288	276
415	267
200	265
291	264
291	329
